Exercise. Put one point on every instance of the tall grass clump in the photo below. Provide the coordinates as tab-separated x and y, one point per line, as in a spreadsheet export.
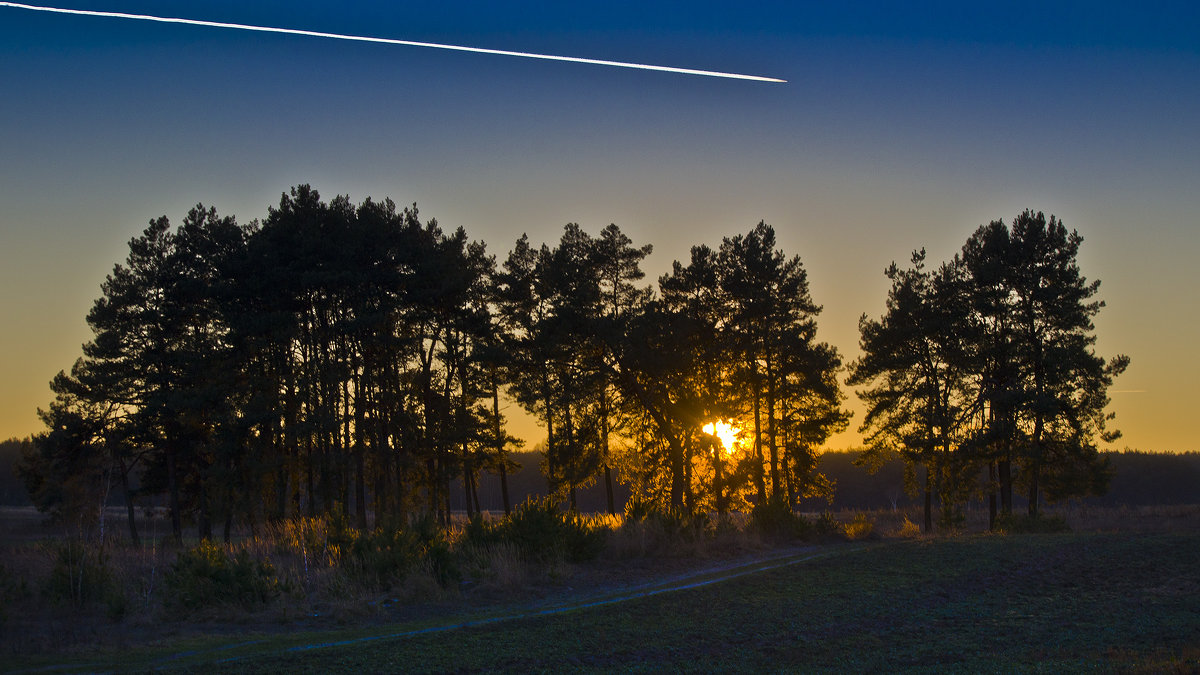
860	527
908	529
652	530
1025	524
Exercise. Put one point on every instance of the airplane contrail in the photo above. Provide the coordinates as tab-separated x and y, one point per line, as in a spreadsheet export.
390	41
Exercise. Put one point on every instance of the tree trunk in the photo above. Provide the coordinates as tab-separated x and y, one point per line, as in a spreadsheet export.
719	482
608	478
1004	467
504	490
203	519
759	481
130	509
771	444
360	452
991	496
1034	474
928	499
498	435
173	494
468	502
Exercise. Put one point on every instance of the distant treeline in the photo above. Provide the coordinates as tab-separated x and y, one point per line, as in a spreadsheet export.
1139	479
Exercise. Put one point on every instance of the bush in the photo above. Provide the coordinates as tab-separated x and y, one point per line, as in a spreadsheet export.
775	518
208	575
908	529
435	548
384	556
827	527
542	533
859	528
638	510
671	520
80	575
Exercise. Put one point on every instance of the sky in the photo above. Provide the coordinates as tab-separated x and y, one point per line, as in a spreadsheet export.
901	126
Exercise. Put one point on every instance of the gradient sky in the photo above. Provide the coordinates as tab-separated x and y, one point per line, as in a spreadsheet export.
899	128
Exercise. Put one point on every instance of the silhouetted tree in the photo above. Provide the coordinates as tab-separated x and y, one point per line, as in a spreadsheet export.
914	358
1044	387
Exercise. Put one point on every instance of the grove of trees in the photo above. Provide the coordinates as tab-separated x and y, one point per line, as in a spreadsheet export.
341	357
986	364
352	357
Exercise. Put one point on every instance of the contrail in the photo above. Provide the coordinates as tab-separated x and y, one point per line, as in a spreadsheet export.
389	41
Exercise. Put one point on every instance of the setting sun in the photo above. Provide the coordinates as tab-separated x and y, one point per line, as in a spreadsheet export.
724	432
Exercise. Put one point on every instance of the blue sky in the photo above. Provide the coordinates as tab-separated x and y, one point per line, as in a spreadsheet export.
900	127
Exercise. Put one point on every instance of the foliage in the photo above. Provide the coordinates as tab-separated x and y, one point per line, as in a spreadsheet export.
80	575
987	363
338	359
386	555
908	529
861	527
540	532
776	518
208	574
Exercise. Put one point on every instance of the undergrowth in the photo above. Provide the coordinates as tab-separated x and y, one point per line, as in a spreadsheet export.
326	569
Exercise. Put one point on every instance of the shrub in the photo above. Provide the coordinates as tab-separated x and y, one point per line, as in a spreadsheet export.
908	529
543	533
860	527
669	519
208	575
639	510
774	517
827	527
384	556
80	575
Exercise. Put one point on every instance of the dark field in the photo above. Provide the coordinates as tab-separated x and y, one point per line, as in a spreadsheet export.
1111	598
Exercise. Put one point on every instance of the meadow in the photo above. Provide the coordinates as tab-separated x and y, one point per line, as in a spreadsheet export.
1108	590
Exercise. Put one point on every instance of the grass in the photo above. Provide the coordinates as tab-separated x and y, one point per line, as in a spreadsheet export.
1069	602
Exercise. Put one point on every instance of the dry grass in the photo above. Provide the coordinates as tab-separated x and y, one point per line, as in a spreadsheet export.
323	579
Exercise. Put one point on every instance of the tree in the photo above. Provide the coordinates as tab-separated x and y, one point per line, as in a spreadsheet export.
913	357
773	323
989	361
1045	388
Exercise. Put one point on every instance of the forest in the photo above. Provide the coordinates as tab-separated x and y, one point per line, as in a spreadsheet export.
350	358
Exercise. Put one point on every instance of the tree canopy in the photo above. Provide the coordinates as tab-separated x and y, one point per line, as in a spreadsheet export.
339	356
987	365
352	358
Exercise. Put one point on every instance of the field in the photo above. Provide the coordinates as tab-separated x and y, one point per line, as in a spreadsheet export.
1102	599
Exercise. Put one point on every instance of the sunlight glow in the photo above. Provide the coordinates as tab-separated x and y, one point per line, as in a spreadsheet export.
407	43
725	432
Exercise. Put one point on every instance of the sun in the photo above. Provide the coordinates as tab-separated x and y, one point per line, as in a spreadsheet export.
725	432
